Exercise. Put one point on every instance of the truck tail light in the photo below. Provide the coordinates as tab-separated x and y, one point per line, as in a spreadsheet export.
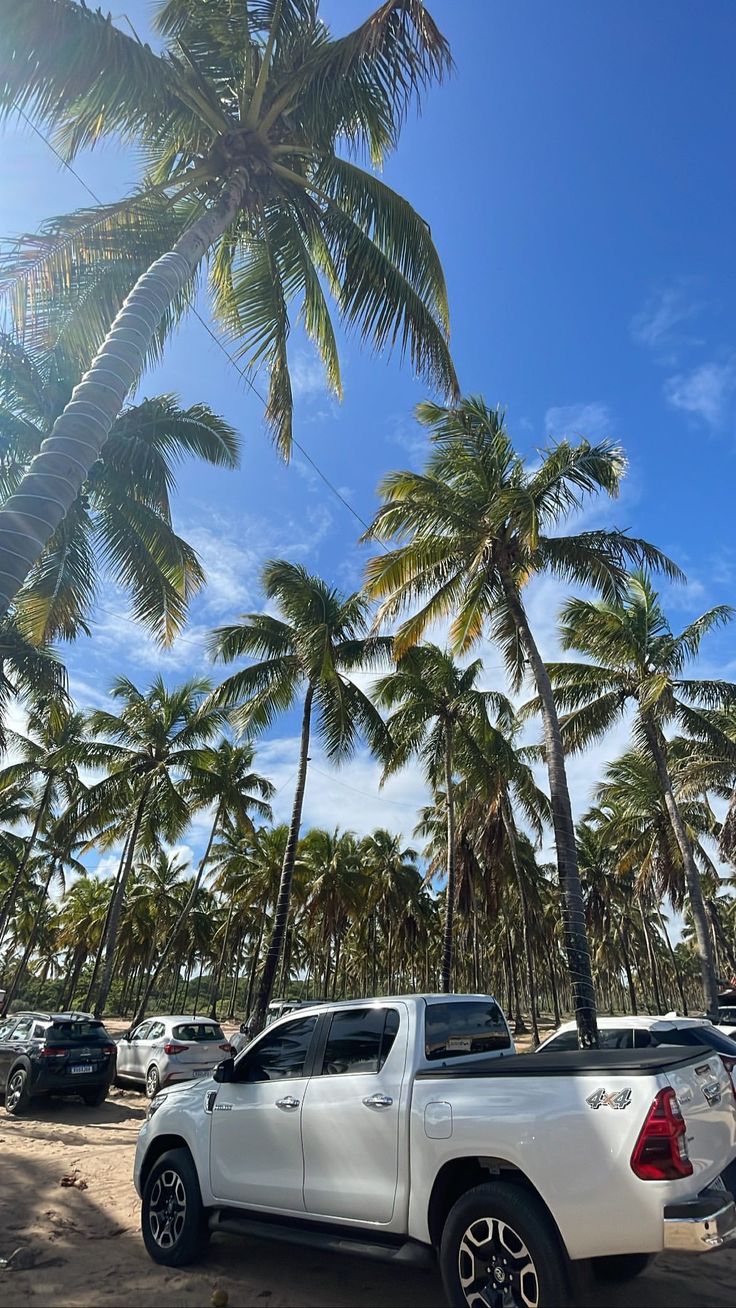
171	1048
730	1066
660	1153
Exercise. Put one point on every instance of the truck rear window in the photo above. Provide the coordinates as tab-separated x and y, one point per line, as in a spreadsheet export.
472	1027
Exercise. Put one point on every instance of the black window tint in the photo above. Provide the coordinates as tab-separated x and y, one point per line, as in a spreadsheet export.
80	1030
561	1043
39	1031
201	1031
472	1027
360	1040
643	1039
615	1038
280	1054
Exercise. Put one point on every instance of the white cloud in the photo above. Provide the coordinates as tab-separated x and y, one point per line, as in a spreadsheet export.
654	326
593	421
307	375
705	392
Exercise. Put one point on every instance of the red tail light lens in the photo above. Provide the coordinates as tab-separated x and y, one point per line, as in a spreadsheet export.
730	1066
660	1153
108	1049
226	1048
172	1048
53	1051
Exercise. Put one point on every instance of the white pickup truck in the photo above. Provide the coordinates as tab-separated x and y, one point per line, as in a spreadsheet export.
408	1125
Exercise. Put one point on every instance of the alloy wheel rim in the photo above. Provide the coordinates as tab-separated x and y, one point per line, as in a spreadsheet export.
15	1090
495	1267
152	1082
167	1209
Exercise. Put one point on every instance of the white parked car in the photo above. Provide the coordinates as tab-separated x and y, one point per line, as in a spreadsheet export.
649	1032
727	1021
164	1050
404	1127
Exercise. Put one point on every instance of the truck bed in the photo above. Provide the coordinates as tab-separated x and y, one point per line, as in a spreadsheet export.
572	1062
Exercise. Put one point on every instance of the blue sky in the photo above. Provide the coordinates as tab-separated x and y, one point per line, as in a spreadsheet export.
577	175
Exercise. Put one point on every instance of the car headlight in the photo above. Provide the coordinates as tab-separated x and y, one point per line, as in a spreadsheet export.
154	1106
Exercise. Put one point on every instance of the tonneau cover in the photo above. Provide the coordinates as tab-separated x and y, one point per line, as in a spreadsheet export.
573	1062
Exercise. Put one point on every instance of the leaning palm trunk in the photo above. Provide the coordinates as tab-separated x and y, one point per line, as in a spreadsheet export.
103	934
8	903
577	948
450	905
21	968
116	906
29	518
281	916
692	876
508	823
220	965
174	934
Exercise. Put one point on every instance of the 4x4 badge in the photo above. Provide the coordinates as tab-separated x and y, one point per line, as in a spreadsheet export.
601	1099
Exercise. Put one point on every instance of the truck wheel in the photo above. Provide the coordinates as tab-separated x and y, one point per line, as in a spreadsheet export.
17	1093
620	1267
173	1218
500	1250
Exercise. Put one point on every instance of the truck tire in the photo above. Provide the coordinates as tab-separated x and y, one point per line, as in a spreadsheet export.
499	1247
17	1092
619	1268
173	1218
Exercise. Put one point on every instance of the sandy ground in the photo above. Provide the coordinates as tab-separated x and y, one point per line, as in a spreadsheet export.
85	1245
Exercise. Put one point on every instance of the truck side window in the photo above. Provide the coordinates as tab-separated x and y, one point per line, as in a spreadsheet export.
279	1054
476	1026
360	1040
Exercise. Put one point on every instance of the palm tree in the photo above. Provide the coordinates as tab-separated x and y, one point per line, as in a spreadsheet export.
48	755
239	120
122	513
434	706
635	659
335	883
473	529
28	673
394	883
315	645
149	747
221	775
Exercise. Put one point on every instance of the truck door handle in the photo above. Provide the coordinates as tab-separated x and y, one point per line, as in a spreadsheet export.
378	1101
288	1104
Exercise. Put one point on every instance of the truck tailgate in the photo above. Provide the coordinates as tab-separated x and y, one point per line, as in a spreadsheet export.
707	1103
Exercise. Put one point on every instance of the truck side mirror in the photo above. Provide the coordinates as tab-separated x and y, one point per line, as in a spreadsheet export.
225	1071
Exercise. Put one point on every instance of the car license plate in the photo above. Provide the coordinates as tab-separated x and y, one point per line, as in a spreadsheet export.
81	1067
202	1071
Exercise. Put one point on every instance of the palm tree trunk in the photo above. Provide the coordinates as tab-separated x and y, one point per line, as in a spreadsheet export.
29	518
116	906
20	970
577	947
650	956
508	823
724	944
627	969
447	942
79	959
220	963
281	915
8	902
105	925
674	962
553	982
656	745
236	977
179	923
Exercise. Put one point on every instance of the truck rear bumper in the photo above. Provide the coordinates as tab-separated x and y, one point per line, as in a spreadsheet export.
700	1224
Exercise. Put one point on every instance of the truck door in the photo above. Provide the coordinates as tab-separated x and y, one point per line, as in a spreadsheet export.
350	1116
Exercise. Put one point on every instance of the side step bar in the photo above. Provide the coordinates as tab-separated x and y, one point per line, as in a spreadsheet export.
409	1253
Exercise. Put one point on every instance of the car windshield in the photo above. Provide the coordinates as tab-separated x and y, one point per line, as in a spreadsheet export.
201	1031
79	1030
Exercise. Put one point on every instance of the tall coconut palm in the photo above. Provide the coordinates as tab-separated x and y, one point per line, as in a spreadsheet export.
637	661
434	705
312	649
473	529
239	119
393	873
221	775
48	755
148	747
120	521
336	886
28	673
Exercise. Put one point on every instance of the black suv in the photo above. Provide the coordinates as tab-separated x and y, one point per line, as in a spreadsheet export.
54	1053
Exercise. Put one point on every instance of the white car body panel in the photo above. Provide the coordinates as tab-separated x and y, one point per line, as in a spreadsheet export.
577	1157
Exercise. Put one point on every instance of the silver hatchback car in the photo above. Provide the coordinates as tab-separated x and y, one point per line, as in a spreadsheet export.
163	1050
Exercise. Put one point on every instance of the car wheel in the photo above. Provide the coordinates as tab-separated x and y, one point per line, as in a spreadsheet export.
93	1098
153	1081
620	1268
17	1093
500	1250
173	1219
